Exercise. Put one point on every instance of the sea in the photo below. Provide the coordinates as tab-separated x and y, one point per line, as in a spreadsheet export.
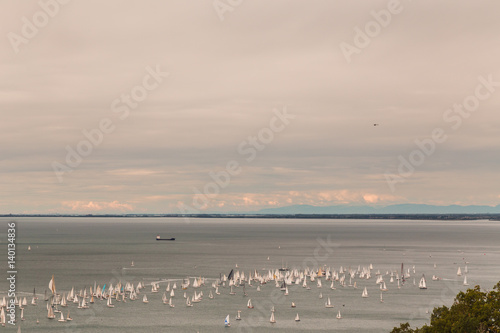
82	251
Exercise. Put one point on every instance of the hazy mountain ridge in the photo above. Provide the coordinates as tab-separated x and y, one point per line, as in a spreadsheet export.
391	209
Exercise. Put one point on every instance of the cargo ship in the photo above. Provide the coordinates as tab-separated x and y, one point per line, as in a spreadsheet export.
158	238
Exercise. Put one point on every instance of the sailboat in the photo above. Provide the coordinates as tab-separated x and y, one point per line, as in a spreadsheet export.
286	291
381	298
249	304
188	302
365	293
170	303
50	312
29	248
459	272
52	285
226	322
328	303
339	316
62	318
145	299
272	320
238	316
293	305
109	304
68	318
297	317
422	284
465	281
320	295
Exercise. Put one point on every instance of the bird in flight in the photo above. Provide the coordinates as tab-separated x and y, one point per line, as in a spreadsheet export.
376	125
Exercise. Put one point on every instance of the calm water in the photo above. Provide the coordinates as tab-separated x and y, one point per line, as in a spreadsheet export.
79	251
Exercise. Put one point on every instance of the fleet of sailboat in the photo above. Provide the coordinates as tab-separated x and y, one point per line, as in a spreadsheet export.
284	280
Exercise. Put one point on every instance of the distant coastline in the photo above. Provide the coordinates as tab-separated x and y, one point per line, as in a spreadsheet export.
491	217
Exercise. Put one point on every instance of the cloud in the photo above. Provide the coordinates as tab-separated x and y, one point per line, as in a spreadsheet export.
225	79
94	206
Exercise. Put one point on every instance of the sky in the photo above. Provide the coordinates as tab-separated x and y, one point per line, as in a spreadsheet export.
234	106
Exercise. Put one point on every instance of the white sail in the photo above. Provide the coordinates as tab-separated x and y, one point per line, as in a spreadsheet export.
52	285
50	312
422	284
465	281
226	321
339	316
272	320
328	303
459	272
365	293
297	317
249	304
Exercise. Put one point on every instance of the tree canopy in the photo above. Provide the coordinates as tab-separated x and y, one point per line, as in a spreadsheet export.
472	311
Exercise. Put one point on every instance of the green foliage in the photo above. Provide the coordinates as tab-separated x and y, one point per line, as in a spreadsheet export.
471	312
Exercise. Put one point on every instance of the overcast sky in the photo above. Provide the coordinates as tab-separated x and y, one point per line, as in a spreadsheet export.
231	69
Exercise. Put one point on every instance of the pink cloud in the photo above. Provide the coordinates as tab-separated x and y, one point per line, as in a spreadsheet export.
85	206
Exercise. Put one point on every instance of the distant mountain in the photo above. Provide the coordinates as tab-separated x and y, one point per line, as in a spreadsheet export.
391	209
